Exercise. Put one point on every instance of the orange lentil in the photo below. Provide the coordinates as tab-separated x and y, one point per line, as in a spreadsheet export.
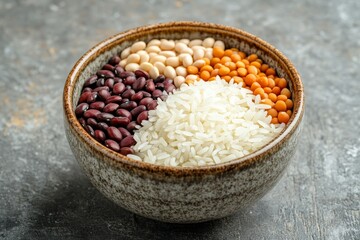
268	102
274	120
270	71
264	67
267	90
218	65
206	60
272	97
276	80
281	97
254	86
289	112
189	81
226	78
240	64
192	70
205	75
228	52
272	112
271	82
233	73
264	82
235	57
276	90
234	50
252	69
259	91
206	68
289	104
223	71
286	92
252	57
214	61
230	65
271	76
283	117
218	52
225	59
249	79
280	105
242	54
238	79
212	79
246	62
259	61
242	72
282	83
214	72
256	64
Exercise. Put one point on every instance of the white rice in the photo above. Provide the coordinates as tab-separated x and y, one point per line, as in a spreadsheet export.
203	124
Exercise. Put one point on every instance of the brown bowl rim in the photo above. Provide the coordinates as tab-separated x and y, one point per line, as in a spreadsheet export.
121	161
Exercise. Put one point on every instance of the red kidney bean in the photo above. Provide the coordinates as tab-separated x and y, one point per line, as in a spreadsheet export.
163	97
145	101
142	116
114	60
124	113
126	150
110	107
118	70
90	81
117	80
136	111
124	132
100	135
128	93
139	84
109	83
120	121
87	89
169	88
104	117
102	126
129	80
105	74
104	94
118	88
168	81
101	88
127	142
90	130
137	96
113	99
150	85
92	97
124	100
156	93
81	108
100	82
84	96
141	73
160	78
160	86
126	74
97	105
108	67
112	145
152	105
146	94
91	113
82	122
128	105
114	134
131	126
92	122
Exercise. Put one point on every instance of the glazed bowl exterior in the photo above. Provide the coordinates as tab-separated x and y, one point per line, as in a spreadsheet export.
175	194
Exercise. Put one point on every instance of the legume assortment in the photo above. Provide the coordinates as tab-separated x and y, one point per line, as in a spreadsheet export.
116	102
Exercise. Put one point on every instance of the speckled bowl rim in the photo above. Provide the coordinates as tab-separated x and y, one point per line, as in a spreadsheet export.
121	161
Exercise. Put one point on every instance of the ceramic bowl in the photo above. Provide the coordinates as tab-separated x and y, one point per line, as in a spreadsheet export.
175	194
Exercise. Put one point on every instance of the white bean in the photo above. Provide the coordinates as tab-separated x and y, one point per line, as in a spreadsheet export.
180	46
154	72
138	46
209	53
168	53
144	57
146	66
133	58
125	53
219	44
194	48
160	66
192	77
188	50
178	80
172	61
122	63
154	42
184	40
181	71
208	42
198	54
167	44
154	49
170	72
152	54
187	60
199	63
158	58
132	67
195	42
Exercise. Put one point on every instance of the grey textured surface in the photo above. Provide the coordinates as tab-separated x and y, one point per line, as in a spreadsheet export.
44	194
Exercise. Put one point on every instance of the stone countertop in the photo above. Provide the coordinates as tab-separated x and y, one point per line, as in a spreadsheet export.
45	195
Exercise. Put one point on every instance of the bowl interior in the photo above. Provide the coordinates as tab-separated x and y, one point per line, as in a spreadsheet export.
99	55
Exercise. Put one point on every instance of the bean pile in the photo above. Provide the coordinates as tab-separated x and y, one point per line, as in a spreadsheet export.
118	97
114	102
